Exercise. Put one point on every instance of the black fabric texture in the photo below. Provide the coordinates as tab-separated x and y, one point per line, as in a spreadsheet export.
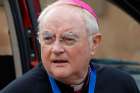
109	80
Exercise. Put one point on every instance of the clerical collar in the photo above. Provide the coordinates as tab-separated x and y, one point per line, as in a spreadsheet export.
92	81
77	87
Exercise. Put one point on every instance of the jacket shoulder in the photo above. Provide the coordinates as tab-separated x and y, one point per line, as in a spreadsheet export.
30	82
110	79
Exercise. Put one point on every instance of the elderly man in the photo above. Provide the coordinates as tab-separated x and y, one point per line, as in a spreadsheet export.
68	35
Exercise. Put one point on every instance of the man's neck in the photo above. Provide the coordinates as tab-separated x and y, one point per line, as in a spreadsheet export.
74	81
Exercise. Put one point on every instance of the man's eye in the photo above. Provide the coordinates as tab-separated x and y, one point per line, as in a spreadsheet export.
69	41
48	40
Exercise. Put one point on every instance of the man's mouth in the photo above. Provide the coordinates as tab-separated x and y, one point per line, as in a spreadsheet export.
60	61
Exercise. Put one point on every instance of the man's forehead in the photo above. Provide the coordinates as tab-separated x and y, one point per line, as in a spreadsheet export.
62	12
65	17
57	28
60	28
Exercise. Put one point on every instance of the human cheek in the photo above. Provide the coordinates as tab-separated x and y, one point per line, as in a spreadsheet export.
45	51
79	54
74	54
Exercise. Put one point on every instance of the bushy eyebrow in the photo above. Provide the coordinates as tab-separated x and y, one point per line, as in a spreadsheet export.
70	35
47	33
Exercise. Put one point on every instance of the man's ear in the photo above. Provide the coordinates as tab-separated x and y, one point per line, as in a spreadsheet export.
97	37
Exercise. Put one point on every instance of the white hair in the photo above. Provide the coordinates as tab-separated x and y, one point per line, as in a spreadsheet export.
90	20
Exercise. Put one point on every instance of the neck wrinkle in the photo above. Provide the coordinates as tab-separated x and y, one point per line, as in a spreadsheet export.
81	80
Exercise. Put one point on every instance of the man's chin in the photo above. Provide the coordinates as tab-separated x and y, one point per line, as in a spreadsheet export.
59	74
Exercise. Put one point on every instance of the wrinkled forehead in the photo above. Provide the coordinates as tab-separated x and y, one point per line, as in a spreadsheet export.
65	12
61	12
60	17
53	7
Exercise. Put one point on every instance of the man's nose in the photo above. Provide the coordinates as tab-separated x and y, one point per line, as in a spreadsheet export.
57	48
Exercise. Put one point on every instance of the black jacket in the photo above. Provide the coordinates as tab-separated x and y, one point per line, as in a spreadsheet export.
108	80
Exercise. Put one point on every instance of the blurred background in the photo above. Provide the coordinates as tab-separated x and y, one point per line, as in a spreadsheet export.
19	49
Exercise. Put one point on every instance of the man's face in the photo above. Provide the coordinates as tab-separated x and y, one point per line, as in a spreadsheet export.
65	48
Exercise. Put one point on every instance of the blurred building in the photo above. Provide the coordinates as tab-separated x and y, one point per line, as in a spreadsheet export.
120	32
